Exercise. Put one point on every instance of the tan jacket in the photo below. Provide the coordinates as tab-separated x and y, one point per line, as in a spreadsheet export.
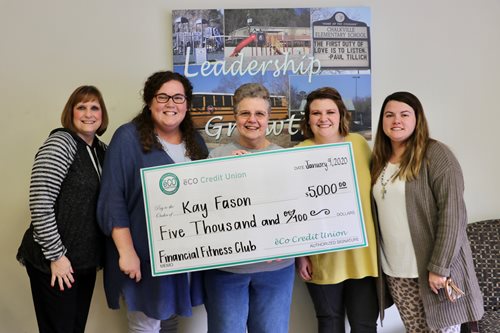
438	219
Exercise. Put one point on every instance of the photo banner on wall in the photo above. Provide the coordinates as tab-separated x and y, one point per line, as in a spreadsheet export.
291	51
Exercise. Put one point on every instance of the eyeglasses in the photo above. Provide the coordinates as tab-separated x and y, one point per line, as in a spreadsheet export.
164	98
260	115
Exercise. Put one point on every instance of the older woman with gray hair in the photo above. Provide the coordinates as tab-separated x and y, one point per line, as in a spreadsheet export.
256	296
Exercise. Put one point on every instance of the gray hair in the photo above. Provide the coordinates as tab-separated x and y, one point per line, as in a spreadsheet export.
251	90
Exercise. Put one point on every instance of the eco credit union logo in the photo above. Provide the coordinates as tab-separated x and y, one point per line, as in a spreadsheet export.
169	183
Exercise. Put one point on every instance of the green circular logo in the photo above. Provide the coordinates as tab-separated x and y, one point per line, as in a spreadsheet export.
169	183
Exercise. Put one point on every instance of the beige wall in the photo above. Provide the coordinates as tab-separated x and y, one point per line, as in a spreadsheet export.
446	52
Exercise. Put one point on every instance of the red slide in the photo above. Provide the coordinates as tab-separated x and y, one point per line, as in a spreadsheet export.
243	43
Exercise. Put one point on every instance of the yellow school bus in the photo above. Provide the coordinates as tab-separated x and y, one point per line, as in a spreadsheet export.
218	108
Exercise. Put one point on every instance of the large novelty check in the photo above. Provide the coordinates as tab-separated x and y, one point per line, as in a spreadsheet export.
250	208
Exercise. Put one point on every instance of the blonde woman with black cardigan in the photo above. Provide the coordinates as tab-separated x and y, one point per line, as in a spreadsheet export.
418	190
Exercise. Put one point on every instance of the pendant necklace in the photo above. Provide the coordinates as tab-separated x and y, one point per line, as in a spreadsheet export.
384	182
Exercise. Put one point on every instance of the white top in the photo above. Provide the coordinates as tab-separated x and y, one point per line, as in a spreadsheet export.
398	256
176	152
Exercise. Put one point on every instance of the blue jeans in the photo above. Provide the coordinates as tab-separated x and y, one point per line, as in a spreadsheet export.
260	301
355	297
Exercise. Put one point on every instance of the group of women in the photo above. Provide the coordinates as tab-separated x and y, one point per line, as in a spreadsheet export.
411	190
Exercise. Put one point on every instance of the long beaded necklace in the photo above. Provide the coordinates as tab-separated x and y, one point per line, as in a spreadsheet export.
384	182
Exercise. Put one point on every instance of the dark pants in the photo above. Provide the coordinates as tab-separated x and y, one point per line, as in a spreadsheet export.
355	297
169	325
61	311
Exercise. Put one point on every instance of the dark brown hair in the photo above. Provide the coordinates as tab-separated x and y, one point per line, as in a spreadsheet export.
325	93
84	94
144	120
415	145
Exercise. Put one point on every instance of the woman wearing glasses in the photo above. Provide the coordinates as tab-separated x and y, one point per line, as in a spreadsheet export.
418	189
257	296
162	133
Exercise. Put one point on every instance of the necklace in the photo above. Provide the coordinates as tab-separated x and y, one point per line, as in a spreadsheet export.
384	182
